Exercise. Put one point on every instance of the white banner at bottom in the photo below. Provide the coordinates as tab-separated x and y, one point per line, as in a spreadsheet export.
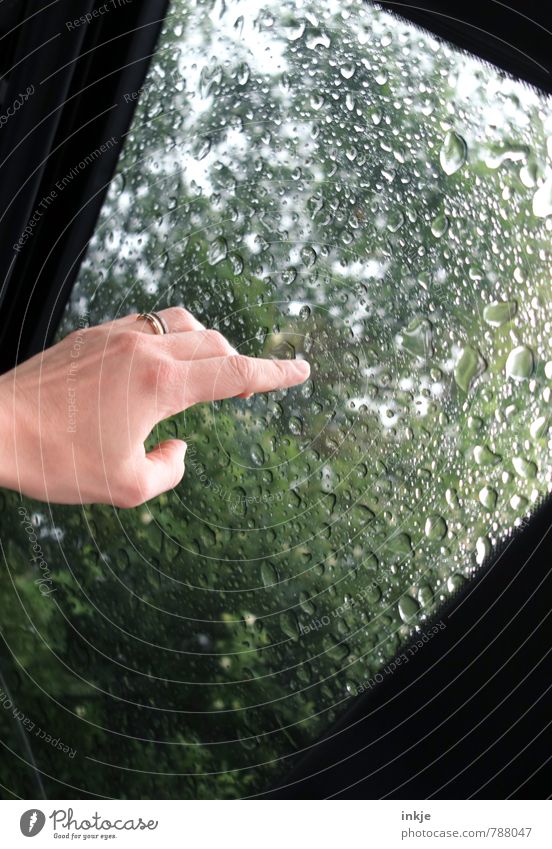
274	824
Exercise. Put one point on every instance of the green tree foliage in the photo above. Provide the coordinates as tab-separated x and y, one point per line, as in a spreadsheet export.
323	181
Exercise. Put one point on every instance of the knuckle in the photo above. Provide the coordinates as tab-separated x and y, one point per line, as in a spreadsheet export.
127	343
178	317
217	342
240	367
157	371
179	312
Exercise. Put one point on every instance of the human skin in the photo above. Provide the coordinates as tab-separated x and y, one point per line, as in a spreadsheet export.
74	418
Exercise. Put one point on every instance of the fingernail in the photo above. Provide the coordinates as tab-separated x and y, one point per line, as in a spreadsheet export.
185	448
303	368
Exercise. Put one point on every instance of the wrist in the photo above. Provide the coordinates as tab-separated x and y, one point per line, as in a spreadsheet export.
9	433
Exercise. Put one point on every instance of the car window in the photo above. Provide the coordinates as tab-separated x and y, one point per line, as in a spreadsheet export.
316	180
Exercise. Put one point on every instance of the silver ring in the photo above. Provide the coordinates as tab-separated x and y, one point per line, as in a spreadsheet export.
157	322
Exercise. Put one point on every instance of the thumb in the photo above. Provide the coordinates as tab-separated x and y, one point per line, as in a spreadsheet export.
164	466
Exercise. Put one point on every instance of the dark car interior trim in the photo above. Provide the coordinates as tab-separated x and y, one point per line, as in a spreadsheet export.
475	703
84	77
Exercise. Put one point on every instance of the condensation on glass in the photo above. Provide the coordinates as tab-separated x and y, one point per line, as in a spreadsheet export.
315	180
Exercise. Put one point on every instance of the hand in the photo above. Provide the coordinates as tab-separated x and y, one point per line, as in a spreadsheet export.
74	418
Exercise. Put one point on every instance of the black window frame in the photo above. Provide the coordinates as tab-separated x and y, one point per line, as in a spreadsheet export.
90	82
87	81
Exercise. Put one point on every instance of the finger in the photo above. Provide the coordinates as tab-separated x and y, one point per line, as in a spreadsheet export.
162	469
198	345
177	319
226	377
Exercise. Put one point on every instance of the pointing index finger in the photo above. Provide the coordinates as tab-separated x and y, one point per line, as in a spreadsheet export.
225	377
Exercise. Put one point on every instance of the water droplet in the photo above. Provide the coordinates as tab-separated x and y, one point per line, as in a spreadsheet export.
408	608
306	604
400	543
518	503
238	503
307	389
435	527
395	221
424	279
425	595
499	312
305	312
203	148
243	73
295	33
453	153
520	363
452	498
289	275
440	225
285	81
455	582
308	256
317	101
347	71
296	425
286	351
528	174
218	251
524	468
117	186
514	153
488	497
542	200
470	364
269	575
483	456
265	20
482	550
539	427
289	625
321	39
236	263
276	410
416	338
335	650
257	454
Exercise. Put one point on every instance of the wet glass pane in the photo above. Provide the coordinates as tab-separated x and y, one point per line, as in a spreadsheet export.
315	180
